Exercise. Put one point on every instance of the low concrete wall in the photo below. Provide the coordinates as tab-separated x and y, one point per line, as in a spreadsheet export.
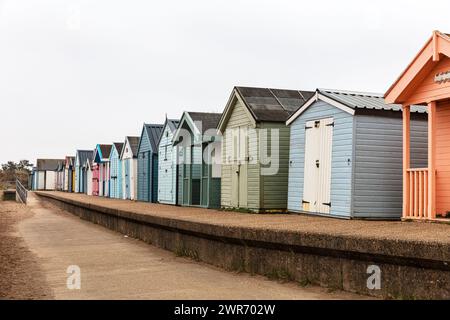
408	270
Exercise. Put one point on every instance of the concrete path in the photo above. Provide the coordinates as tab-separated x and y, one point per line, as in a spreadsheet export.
115	267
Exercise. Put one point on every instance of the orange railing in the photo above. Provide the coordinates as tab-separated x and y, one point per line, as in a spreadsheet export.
418	193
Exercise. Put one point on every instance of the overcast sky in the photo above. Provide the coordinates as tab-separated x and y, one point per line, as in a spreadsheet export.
74	73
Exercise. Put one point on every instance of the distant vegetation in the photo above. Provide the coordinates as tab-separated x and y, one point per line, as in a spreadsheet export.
11	171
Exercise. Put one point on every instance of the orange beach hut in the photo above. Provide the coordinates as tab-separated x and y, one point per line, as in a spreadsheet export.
426	81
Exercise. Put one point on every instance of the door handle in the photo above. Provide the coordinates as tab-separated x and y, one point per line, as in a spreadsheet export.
317	163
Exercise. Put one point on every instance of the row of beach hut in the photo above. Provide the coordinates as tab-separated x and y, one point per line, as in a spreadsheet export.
326	152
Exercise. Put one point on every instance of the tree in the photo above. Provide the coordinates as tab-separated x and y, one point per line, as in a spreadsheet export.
11	171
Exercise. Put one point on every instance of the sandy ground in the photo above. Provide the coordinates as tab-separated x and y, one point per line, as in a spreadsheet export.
20	274
43	241
393	230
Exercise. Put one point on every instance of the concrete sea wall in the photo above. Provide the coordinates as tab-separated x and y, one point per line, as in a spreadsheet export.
409	270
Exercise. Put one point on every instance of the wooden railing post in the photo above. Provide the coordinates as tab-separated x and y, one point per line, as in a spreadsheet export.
431	160
406	160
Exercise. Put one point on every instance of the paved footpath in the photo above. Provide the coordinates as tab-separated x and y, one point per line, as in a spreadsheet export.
116	267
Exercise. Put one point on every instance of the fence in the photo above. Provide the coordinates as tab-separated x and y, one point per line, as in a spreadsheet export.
21	192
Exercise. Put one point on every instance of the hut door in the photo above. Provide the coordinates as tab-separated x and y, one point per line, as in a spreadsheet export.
239	167
127	179
318	148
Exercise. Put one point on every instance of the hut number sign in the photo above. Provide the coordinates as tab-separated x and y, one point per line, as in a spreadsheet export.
442	77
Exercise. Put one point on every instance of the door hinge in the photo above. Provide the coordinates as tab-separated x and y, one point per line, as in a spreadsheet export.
306	128
303	201
327	204
330	124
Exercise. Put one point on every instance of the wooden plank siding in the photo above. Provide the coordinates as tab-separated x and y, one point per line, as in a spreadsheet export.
429	90
342	158
239	118
443	157
378	161
115	174
167	168
144	168
274	188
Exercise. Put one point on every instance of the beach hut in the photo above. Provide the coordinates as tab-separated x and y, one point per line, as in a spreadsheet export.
255	147
59	176
69	174
426	81
345	152
116	171
80	161
101	158
128	159
88	169
95	168
45	174
199	147
167	164
147	172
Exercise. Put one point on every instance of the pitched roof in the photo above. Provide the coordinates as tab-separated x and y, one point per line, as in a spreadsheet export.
274	105
70	160
83	155
351	101
61	165
173	124
208	120
48	164
118	146
423	63
362	100
105	150
134	143
153	132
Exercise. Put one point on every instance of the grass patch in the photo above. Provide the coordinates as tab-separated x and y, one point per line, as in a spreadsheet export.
282	275
187	253
304	282
238	210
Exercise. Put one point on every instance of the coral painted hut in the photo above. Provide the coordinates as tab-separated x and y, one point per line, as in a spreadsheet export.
426	81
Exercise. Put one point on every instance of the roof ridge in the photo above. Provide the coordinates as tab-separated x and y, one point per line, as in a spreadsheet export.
153	124
356	93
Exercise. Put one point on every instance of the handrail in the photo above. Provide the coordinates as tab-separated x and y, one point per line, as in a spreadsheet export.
21	192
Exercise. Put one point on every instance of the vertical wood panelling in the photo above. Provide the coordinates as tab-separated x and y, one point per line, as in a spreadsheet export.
442	135
379	162
239	118
167	168
341	164
143	174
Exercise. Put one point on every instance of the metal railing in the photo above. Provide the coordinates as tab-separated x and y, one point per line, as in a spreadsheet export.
21	192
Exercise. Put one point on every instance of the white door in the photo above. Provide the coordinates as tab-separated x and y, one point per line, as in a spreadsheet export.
317	175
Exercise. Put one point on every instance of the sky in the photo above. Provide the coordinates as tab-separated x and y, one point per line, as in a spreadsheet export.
74	73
